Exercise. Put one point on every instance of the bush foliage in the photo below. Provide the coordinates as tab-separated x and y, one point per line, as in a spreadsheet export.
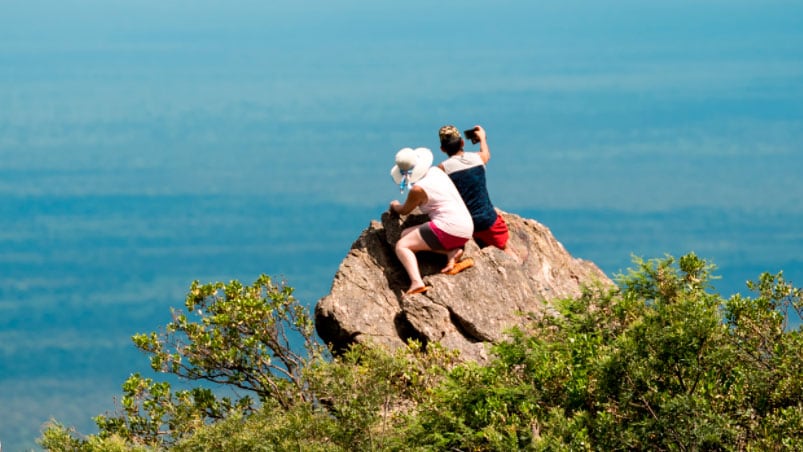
660	363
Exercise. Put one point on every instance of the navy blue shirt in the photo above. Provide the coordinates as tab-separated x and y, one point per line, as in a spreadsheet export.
467	171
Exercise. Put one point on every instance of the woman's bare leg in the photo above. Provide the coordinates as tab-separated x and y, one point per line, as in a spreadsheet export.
410	242
453	256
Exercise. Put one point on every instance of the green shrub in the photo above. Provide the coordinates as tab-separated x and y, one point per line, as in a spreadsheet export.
660	363
233	335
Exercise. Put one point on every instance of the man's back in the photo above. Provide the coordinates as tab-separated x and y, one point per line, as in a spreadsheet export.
467	171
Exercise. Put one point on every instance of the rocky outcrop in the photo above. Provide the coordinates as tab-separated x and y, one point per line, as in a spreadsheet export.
466	311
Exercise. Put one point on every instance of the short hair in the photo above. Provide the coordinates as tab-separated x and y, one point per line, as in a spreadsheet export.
452	146
451	142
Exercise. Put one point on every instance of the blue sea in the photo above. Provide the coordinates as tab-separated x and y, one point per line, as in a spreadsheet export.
147	144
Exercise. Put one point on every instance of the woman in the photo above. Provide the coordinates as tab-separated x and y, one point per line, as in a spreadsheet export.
450	225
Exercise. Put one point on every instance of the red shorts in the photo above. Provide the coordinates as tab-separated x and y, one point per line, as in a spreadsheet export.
445	241
496	235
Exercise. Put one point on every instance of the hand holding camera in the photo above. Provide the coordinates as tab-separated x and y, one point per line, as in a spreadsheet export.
475	134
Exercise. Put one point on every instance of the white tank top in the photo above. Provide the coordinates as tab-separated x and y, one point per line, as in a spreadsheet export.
444	205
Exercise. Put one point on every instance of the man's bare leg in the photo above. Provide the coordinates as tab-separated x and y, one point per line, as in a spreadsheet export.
509	251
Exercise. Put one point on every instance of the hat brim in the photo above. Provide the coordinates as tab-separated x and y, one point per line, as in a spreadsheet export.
423	161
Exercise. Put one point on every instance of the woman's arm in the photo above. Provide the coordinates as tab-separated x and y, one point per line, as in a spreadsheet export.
415	198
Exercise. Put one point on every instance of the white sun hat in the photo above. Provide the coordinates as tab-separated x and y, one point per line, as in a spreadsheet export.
411	165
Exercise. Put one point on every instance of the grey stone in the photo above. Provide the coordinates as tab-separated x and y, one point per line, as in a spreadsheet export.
467	311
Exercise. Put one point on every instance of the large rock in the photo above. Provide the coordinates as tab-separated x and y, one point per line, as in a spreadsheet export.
466	311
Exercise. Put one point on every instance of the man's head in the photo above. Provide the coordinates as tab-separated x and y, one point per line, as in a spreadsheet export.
451	141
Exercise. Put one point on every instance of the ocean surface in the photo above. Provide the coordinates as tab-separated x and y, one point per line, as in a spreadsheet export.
144	145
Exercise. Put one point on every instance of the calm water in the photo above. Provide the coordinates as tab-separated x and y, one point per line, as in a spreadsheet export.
144	145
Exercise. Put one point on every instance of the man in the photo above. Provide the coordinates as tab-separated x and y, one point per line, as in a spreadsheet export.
467	171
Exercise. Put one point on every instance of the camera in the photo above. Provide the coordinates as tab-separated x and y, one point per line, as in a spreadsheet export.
471	134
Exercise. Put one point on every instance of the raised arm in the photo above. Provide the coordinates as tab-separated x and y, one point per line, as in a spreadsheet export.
485	152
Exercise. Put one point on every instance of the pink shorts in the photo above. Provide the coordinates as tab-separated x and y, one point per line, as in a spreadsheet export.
439	240
496	235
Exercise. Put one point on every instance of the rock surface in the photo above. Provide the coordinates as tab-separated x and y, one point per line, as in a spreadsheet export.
466	311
